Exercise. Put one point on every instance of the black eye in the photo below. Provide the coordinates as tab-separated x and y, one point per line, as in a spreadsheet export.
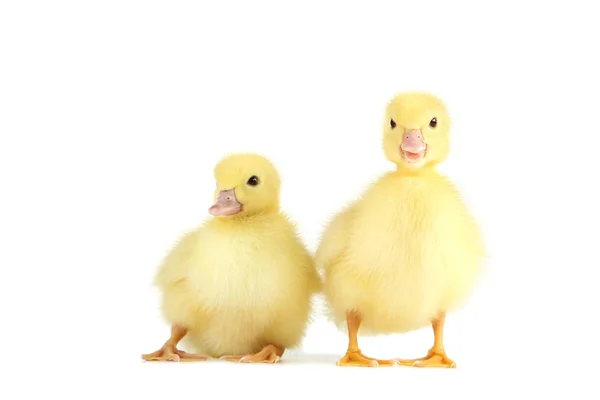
392	123
253	181
433	123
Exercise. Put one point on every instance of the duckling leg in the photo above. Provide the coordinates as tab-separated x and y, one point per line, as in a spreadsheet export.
169	350
269	354
436	357
354	357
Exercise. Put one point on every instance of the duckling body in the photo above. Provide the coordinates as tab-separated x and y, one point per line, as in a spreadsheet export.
404	259
239	287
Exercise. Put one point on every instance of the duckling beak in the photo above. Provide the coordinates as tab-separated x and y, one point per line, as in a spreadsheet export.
413	145
226	204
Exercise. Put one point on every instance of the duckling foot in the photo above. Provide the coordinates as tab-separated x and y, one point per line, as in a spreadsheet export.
358	359
170	353
269	354
434	359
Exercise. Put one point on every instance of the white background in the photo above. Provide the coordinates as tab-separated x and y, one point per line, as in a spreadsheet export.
113	114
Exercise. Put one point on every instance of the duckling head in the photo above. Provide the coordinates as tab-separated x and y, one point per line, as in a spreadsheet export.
416	130
246	184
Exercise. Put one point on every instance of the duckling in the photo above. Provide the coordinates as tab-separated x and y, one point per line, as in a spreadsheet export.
406	252
240	286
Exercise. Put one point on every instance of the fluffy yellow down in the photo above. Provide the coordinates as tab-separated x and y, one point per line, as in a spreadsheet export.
242	282
407	250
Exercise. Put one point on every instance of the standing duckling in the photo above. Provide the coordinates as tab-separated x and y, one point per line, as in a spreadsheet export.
408	251
240	286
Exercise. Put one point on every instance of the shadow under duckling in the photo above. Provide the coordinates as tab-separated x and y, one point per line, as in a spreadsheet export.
240	286
407	252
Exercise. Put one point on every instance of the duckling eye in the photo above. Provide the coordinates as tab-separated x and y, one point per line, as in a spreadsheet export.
433	123
253	181
392	123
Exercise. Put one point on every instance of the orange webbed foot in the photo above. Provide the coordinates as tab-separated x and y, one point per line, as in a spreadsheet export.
434	359
358	359
270	354
171	353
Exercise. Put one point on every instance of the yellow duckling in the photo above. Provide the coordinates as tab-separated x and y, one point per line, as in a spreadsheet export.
408	251
240	286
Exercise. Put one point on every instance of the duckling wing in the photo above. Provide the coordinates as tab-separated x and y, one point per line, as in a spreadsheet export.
174	266
314	278
179	298
335	238
299	251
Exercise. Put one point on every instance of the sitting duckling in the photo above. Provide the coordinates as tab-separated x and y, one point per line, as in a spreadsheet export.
240	286
408	251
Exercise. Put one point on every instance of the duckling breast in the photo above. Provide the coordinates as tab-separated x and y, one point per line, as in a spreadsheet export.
247	280
410	255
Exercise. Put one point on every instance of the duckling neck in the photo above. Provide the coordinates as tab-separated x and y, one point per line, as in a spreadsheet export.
427	170
250	218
